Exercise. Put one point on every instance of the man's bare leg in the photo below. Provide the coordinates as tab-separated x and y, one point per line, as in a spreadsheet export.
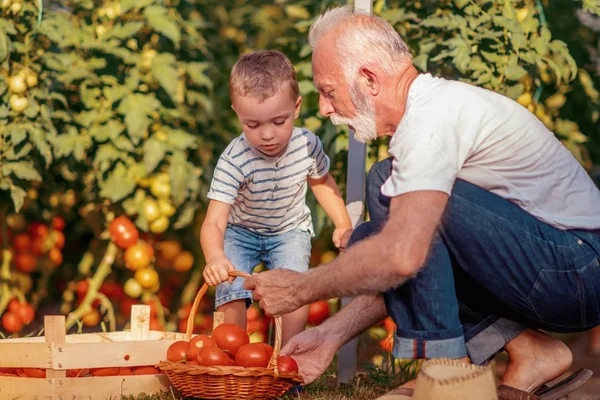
535	359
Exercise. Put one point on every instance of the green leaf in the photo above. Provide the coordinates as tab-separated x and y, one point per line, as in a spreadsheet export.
460	3
137	125
18	197
186	216
124	31
17	133
162	23
154	153
420	62
89	97
3	111
106	155
200	99
118	185
123	143
22	170
514	91
64	144
11	155
59	97
196	72
126	5
179	173
181	140
115	93
4	46
82	143
513	70
306	86
37	136
164	70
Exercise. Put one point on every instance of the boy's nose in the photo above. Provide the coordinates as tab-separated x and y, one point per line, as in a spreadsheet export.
266	135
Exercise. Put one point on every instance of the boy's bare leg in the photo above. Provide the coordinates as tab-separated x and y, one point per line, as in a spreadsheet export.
235	312
293	323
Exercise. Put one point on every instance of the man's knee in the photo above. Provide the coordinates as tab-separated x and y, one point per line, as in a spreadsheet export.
362	232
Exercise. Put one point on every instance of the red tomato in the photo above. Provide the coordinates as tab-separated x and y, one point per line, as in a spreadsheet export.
25	262
24	311
108	371
318	312
252	314
35	372
123	232
268	348
58	223
77	373
286	364
125	371
389	325
177	351
22	242
192	362
230	337
212	356
38	229
146	370
252	355
198	342
11	322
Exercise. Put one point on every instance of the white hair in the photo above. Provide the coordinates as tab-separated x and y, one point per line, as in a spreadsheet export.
362	39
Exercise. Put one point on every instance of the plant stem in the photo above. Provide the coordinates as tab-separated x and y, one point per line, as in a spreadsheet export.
95	282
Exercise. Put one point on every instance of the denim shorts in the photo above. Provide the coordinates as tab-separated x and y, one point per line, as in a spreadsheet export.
246	249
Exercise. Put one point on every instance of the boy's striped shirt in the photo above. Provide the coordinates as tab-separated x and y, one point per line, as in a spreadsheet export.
268	195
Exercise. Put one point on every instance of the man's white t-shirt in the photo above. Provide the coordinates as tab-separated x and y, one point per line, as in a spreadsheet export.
452	130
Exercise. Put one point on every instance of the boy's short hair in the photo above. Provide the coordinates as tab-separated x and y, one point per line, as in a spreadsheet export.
261	74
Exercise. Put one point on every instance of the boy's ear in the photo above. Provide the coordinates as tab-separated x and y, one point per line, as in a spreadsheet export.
297	107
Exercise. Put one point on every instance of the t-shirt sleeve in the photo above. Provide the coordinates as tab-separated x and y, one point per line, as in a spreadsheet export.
425	157
320	160
226	182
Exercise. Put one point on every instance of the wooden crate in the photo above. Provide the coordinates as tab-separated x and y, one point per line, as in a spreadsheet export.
57	353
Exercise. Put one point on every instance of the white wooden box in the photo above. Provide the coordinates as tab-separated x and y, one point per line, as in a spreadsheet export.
57	353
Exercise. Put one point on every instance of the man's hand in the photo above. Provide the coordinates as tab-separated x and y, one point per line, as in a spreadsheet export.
341	236
276	291
313	350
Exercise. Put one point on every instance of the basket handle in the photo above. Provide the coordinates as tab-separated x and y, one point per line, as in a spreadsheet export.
278	326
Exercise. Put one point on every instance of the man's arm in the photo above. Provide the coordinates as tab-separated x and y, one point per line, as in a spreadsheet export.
384	260
313	349
372	266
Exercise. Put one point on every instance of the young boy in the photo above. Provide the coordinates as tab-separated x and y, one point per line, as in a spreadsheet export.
257	210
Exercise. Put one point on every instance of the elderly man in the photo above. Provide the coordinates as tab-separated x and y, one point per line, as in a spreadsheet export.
483	227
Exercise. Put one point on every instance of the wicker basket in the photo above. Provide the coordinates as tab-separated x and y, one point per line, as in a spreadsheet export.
229	382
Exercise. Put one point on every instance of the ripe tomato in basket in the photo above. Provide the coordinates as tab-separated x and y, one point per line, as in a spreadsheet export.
287	364
177	351
213	356
230	338
196	343
252	355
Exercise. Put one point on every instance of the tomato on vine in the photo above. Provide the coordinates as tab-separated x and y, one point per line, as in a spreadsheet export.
122	232
137	257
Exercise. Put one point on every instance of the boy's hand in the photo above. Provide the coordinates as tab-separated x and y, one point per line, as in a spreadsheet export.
217	271
341	236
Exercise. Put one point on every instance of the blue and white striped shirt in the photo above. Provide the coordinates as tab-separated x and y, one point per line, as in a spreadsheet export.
268	195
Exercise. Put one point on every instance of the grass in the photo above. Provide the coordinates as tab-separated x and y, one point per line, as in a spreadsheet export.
368	384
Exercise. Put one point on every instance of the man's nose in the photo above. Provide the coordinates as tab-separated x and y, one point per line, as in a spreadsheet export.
325	106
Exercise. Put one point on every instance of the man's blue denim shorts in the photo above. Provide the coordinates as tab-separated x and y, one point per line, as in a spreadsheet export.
246	249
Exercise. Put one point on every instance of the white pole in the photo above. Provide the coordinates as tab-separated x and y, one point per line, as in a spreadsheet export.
355	197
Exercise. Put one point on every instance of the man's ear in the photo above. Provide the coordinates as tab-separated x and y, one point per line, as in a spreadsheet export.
298	106
369	76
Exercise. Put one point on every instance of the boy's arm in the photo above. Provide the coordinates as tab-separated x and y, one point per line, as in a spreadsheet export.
329	197
212	233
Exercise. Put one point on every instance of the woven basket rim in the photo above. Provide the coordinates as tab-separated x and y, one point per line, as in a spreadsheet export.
194	370
477	371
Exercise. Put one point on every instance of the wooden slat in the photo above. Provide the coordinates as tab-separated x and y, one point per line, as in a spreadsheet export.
54	328
26	355
140	322
91	388
119	336
218	319
116	354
